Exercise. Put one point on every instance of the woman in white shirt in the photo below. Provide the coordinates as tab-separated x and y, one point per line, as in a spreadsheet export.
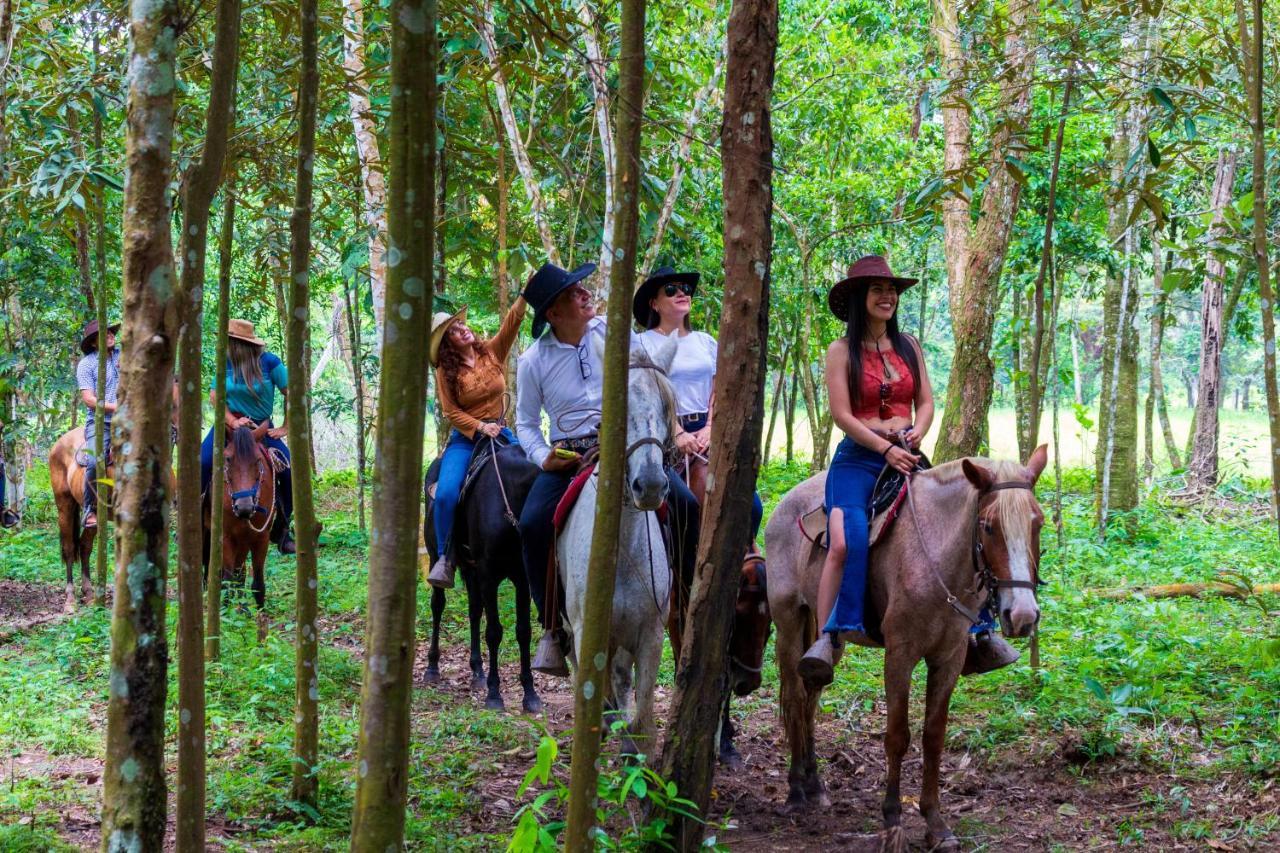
661	306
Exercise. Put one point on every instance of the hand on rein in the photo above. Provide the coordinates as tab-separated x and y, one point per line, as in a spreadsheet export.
901	460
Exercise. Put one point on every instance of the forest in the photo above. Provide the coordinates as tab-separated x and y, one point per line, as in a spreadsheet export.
1077	199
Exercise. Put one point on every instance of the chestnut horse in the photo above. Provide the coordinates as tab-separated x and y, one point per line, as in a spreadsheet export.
66	477
969	530
248	506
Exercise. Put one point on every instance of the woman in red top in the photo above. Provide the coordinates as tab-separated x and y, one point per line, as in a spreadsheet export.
875	375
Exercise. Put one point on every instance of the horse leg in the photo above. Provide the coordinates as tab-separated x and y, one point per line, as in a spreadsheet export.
493	637
86	552
432	674
647	662
799	709
69	542
729	755
475	606
260	585
620	673
942	681
524	636
897	737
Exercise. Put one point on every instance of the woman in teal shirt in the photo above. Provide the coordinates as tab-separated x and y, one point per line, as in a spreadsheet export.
253	376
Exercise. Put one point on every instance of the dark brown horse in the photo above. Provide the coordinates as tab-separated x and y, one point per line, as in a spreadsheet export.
967	528
247	500
66	477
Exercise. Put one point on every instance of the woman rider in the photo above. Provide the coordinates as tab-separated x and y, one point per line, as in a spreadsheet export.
661	305
253	376
471	385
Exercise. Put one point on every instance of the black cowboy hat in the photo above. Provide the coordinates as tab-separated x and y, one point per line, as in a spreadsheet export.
863	269
644	293
90	333
545	285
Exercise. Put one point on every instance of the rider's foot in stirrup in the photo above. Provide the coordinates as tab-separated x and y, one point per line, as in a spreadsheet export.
988	651
441	576
287	545
549	659
90	521
816	667
9	518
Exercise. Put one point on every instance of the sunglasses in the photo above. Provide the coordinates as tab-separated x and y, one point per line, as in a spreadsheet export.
683	287
885	411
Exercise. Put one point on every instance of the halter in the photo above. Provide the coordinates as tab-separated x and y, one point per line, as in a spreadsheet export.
251	493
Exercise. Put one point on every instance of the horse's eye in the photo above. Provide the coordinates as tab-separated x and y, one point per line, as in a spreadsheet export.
986	528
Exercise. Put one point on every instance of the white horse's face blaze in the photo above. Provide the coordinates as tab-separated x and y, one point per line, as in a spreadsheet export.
1010	538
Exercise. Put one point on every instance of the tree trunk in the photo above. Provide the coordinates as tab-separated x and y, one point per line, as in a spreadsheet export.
1233	299
746	139
134	796
504	276
213	580
777	398
596	70
603	562
383	770
789	412
1156	394
306	757
198	188
975	258
351	299
100	438
1202	468
1244	395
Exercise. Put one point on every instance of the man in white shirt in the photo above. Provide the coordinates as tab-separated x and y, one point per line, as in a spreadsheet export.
561	374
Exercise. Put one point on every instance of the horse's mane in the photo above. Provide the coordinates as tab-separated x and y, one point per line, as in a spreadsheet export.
243	444
1015	507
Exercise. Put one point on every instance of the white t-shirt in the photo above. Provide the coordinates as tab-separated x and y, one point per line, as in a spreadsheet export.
694	369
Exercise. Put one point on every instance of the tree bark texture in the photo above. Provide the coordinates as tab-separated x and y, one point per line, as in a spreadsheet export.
198	188
1158	314
597	68
383	765
134	798
1202	469
590	678
213	581
746	140
306	718
351	300
975	255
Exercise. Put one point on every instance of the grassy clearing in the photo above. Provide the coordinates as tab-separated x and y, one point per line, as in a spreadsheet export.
1185	687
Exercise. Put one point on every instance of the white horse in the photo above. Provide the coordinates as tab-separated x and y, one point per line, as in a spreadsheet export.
642	589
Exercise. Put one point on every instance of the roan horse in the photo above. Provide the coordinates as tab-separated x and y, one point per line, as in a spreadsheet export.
66	477
486	545
966	529
248	506
642	588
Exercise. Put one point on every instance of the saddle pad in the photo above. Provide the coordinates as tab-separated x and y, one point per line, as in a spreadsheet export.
813	524
571	497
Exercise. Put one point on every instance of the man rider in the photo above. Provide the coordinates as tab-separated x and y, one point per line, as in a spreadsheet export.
87	383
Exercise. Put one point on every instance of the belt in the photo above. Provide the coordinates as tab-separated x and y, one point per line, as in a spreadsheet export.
696	416
578	443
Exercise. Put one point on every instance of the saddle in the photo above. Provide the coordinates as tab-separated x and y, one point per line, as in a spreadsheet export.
886	501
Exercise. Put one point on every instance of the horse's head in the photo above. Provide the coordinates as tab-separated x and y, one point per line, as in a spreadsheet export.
244	467
751	626
1008	537
650	413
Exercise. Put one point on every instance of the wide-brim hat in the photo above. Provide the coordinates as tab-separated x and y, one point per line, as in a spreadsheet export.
242	330
640	308
545	285
863	269
440	323
90	333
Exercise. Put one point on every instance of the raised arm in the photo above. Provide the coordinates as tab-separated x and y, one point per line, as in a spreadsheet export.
506	337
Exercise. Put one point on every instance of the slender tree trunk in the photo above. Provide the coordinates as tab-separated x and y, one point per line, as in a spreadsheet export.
352	304
306	737
603	561
777	398
597	68
134	796
213	580
702	683
100	438
1202	468
789	412
1158	315
383	767
503	261
198	188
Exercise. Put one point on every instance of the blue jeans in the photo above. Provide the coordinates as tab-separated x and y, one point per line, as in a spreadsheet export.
453	470
284	479
850	481
693	423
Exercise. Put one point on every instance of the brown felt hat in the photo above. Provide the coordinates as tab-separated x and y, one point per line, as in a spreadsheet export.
242	330
863	269
89	336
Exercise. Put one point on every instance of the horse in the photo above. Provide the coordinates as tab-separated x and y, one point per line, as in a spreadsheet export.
248	506
642	585
486	545
968	530
66	477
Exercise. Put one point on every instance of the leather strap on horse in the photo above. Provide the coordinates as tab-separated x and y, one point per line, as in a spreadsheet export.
502	488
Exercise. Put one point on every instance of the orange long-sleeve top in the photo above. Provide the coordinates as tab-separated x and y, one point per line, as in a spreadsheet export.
481	387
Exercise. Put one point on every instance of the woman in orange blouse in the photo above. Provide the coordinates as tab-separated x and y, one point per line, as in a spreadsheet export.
471	386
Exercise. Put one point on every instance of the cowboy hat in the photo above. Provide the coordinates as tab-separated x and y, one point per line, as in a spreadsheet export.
863	269
242	330
640	308
545	285
440	323
90	334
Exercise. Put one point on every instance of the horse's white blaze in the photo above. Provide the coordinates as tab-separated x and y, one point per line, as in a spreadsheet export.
1019	601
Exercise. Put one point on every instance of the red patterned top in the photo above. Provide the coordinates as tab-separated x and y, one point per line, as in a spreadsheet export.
902	390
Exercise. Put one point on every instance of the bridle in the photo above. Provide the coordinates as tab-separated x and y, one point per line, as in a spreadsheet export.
761	586
252	493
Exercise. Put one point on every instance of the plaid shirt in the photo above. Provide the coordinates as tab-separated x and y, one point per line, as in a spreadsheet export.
87	380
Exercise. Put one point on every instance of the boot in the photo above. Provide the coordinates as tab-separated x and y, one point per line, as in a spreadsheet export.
987	652
816	668
549	658
287	545
9	518
441	576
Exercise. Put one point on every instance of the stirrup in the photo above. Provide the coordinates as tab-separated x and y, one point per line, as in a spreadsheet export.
988	652
441	576
816	668
549	658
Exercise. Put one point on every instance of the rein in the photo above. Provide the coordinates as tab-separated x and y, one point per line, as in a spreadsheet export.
502	488
252	493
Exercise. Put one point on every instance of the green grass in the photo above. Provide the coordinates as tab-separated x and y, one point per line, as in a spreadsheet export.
1187	687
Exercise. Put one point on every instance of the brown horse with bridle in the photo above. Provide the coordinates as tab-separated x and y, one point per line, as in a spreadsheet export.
247	501
66	478
968	534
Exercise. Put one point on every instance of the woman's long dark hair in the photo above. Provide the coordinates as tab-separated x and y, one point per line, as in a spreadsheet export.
450	361
857	331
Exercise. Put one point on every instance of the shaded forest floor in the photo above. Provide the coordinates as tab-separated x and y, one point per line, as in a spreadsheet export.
1153	724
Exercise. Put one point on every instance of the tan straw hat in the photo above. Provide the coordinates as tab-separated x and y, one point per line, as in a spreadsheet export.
243	330
440	323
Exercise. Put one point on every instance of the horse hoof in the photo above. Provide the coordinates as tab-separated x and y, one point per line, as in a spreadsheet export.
894	840
479	682
69	606
731	759
431	675
947	841
532	705
495	703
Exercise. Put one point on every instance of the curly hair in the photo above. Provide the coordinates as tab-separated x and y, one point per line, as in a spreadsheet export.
450	362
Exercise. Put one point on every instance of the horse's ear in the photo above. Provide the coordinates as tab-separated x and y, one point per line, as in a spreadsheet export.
981	478
1039	459
664	355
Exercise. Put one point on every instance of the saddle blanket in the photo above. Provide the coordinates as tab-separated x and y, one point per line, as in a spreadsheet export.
571	495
